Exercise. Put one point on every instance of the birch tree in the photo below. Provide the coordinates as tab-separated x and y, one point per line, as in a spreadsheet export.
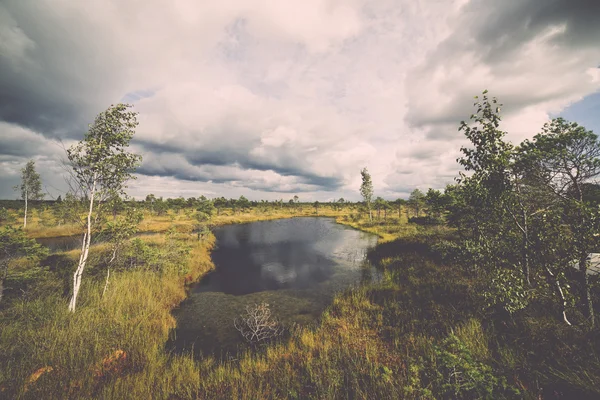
117	233
31	186
101	168
366	190
563	158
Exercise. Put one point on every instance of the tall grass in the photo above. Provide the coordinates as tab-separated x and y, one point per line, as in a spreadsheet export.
417	334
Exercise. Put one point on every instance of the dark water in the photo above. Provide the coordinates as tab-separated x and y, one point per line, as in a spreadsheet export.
295	265
61	243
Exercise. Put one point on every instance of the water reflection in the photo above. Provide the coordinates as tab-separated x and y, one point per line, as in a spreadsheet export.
296	265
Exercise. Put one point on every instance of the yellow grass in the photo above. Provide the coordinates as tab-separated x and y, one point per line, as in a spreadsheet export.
346	355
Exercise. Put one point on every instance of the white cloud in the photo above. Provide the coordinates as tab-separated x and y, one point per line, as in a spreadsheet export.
251	97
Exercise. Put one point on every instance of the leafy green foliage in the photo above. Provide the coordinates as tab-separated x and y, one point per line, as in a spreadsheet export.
461	376
436	202
119	230
31	186
101	167
506	289
15	243
68	210
169	257
100	161
5	216
204	213
242	203
416	201
521	209
490	155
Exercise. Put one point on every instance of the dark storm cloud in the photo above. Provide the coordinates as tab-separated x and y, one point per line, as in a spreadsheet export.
295	188
303	185
514	22
19	147
25	144
54	70
228	156
323	182
205	167
497	37
284	103
178	173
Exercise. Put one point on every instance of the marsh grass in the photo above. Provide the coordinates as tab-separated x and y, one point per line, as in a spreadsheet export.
418	333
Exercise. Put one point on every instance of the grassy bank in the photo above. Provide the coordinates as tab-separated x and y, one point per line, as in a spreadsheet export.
112	339
41	223
419	333
119	334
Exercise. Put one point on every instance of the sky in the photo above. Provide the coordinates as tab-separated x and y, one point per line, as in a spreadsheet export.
271	99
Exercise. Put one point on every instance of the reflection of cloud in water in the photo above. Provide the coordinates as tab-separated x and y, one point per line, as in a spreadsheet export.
295	264
350	245
279	272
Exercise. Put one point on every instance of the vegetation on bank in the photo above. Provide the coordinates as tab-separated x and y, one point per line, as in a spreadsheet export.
412	335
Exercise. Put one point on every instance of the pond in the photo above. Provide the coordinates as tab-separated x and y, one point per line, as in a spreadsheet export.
295	265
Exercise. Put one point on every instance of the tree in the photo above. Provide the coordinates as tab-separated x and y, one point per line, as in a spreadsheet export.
160	206
488	161
484	203
366	190
386	207
416	200
379	205
399	203
176	204
101	168
5	216
31	186
564	158
151	199
68	210
316	205
204	213
116	204
116	234
243	203
219	203
15	243
436	202
504	209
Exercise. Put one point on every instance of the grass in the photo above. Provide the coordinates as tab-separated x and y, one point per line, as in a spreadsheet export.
417	334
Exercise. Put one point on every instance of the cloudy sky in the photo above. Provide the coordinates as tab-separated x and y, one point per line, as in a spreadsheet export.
271	99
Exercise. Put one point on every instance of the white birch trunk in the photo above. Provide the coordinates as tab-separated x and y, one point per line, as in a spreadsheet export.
25	216
561	294
114	255
106	284
85	249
